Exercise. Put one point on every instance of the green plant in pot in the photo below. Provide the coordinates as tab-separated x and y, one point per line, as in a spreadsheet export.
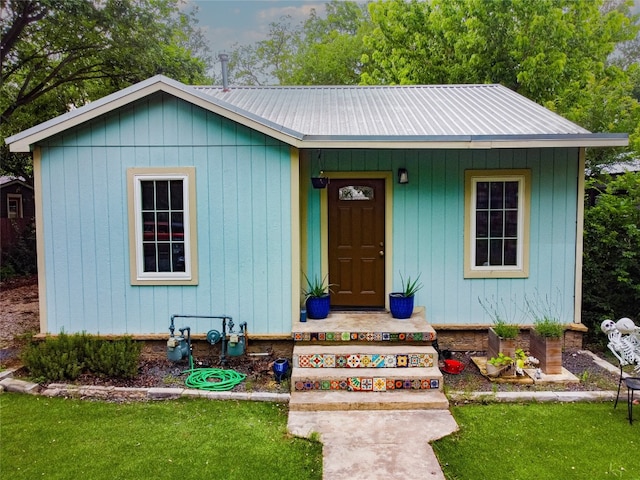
497	365
502	334
546	336
317	297
401	303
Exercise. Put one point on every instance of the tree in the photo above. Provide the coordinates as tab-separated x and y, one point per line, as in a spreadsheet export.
611	272
319	51
554	52
58	55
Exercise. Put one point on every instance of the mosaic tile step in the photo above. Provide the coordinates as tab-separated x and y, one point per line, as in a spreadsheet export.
328	400
364	360
367	384
366	379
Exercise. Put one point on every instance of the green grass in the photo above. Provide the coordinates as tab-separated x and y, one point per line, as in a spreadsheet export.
574	441
187	439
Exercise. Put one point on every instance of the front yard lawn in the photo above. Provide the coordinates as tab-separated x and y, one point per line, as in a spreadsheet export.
542	441
187	439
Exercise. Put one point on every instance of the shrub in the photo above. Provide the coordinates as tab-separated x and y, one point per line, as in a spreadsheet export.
65	357
611	274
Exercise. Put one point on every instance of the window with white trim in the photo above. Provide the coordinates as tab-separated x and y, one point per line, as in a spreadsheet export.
163	224
497	223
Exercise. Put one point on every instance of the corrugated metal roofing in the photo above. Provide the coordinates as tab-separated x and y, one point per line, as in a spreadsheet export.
398	111
419	116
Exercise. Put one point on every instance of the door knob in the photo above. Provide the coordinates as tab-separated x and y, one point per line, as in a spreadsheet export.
381	252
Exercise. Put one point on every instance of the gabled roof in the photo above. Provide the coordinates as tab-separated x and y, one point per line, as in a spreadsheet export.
7	181
417	116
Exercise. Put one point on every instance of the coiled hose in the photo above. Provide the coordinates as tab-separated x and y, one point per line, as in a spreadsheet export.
201	378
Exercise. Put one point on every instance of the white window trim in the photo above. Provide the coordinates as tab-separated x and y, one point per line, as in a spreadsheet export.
521	269
138	276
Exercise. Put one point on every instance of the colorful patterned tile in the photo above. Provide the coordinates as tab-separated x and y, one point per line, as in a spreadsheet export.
329	360
414	360
386	336
417	336
341	361
393	337
322	336
304	361
435	383
353	361
314	336
365	361
366	383
402	361
354	384
346	336
416	384
316	361
370	337
325	385
335	385
379	384
377	337
377	361
299	386
297	336
425	384
402	337
344	384
407	384
390	361
360	336
306	336
391	384
308	385
330	336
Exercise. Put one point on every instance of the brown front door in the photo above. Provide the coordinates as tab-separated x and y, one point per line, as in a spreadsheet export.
356	242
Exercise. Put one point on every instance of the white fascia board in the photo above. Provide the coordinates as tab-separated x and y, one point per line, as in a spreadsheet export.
23	141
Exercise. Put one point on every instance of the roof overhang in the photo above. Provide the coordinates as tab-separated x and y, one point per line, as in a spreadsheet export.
24	141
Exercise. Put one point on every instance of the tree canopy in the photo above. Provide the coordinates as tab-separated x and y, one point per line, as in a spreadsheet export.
57	55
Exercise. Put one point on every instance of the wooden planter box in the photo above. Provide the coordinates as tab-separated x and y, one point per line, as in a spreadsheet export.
548	351
498	344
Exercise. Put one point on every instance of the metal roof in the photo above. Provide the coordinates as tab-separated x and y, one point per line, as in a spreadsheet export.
398	111
417	116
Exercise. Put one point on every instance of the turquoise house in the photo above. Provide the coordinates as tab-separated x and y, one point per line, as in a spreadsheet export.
167	199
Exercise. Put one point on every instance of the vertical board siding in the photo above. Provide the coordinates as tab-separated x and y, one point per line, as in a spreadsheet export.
428	227
243	213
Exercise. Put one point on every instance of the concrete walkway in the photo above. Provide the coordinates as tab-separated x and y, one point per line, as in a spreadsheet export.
376	444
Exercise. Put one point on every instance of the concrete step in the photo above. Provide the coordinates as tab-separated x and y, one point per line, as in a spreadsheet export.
364	356
343	400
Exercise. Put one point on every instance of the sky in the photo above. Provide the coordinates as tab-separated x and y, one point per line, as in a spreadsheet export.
226	22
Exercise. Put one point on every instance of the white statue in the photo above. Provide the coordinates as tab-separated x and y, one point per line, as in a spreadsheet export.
626	348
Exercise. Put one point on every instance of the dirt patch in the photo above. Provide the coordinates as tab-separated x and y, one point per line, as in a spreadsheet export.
19	317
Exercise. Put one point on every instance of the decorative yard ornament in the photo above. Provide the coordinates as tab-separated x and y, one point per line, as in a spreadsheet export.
626	348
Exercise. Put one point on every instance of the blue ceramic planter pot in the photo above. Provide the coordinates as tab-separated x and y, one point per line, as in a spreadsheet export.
318	307
400	306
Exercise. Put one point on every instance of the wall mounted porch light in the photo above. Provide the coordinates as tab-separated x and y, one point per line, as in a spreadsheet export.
403	176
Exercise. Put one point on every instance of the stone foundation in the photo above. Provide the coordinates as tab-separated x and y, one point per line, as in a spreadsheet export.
157	349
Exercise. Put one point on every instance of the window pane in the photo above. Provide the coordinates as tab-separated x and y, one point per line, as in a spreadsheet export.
178	257
352	192
149	251
482	195
497	195
510	252
511	195
162	195
176	195
497	224
495	252
149	226
177	226
164	258
511	224
482	224
482	248
147	195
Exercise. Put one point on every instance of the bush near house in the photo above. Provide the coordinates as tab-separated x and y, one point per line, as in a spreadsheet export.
65	357
611	272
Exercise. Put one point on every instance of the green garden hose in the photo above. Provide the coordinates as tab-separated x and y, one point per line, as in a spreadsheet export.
223	380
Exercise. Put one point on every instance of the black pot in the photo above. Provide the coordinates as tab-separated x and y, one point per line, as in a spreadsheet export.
319	182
